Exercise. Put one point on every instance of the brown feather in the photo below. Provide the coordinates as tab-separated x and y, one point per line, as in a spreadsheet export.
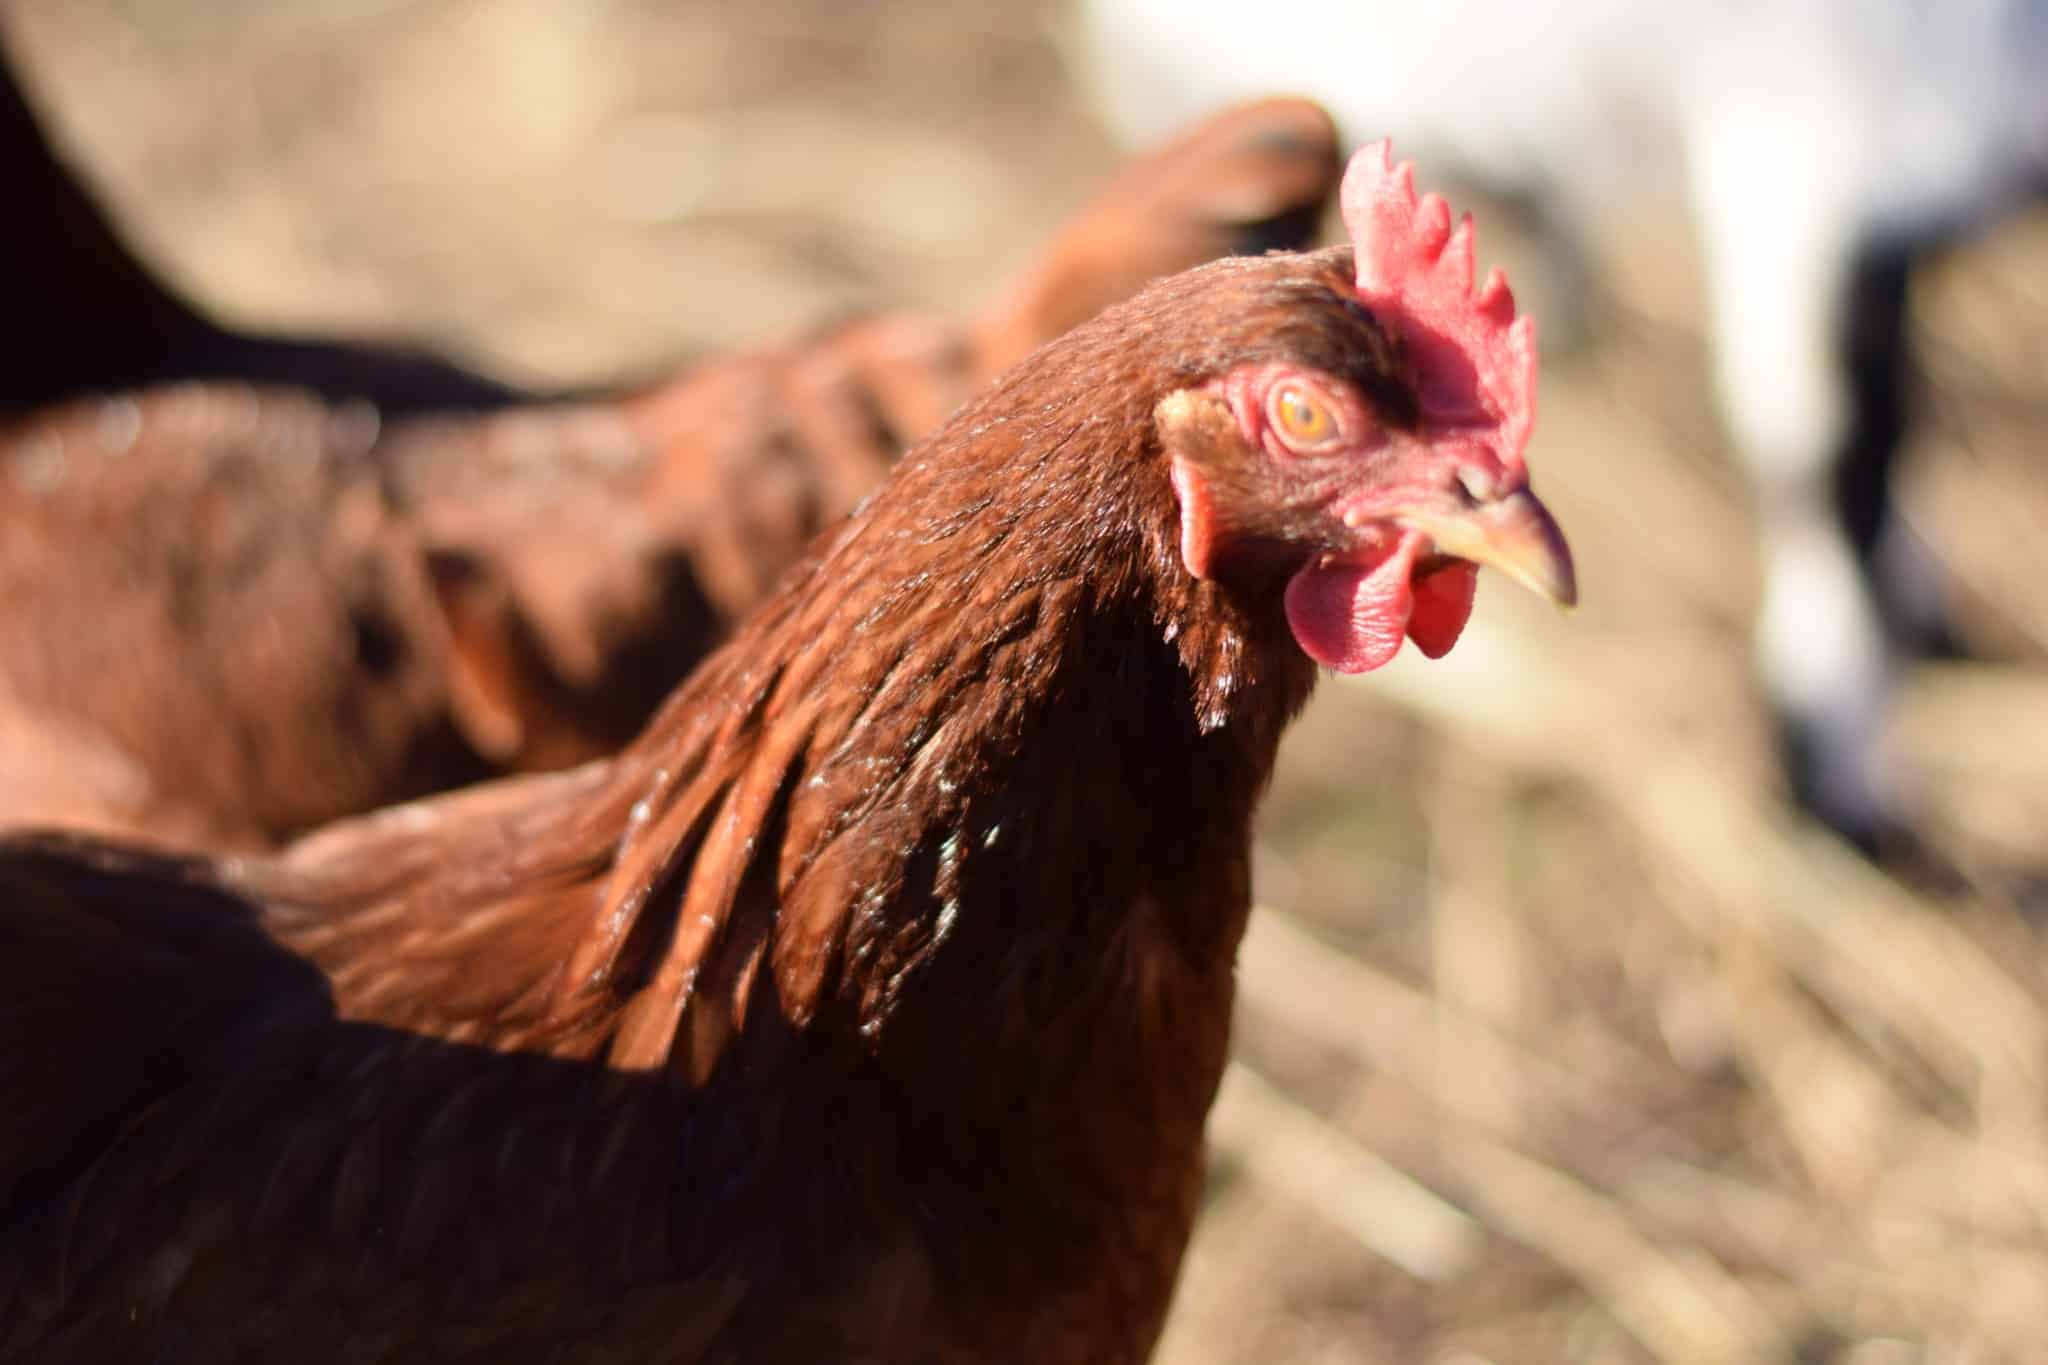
296	611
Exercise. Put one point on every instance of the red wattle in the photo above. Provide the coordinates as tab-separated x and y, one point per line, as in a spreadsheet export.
1352	616
1443	604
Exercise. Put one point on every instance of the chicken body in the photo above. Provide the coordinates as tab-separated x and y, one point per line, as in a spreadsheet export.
238	612
869	1005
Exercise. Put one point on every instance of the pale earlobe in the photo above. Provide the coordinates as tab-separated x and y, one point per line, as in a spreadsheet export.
1197	518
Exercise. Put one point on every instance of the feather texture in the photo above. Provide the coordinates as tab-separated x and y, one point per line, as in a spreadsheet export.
868	1006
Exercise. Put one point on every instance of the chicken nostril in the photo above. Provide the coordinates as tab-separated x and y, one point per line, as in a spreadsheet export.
1479	485
379	646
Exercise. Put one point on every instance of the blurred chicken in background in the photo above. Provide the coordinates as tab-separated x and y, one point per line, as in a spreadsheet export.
1828	146
313	599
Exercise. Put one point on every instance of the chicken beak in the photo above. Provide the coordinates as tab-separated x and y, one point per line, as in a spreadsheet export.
1515	534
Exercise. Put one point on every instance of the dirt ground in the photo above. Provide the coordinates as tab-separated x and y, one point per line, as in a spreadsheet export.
1561	1038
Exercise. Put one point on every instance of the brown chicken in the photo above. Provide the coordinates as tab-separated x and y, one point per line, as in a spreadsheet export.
868	1006
236	613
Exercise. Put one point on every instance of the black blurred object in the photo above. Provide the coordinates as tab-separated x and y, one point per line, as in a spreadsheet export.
86	315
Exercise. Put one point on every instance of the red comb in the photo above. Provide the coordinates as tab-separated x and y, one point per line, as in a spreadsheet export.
1475	361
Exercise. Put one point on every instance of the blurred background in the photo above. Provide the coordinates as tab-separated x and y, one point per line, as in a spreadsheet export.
1562	1036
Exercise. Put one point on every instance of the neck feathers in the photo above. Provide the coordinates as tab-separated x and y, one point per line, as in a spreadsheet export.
987	738
992	706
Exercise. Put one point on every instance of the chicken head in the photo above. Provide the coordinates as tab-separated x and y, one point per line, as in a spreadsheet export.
1375	458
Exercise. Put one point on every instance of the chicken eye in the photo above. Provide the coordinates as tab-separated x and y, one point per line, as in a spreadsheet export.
1301	416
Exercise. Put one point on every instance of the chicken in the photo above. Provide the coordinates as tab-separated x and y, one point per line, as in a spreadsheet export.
236	613
867	1006
1828	146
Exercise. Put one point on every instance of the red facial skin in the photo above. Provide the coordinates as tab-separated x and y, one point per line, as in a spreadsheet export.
1337	488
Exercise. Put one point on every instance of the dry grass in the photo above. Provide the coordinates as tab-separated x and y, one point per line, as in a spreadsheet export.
1561	1038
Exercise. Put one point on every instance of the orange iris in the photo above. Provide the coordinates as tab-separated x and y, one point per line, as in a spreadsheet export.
1301	417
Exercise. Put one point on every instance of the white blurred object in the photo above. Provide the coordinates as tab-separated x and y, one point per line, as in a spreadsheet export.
1824	142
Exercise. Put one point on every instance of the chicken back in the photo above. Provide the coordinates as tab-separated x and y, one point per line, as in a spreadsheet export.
867	1006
